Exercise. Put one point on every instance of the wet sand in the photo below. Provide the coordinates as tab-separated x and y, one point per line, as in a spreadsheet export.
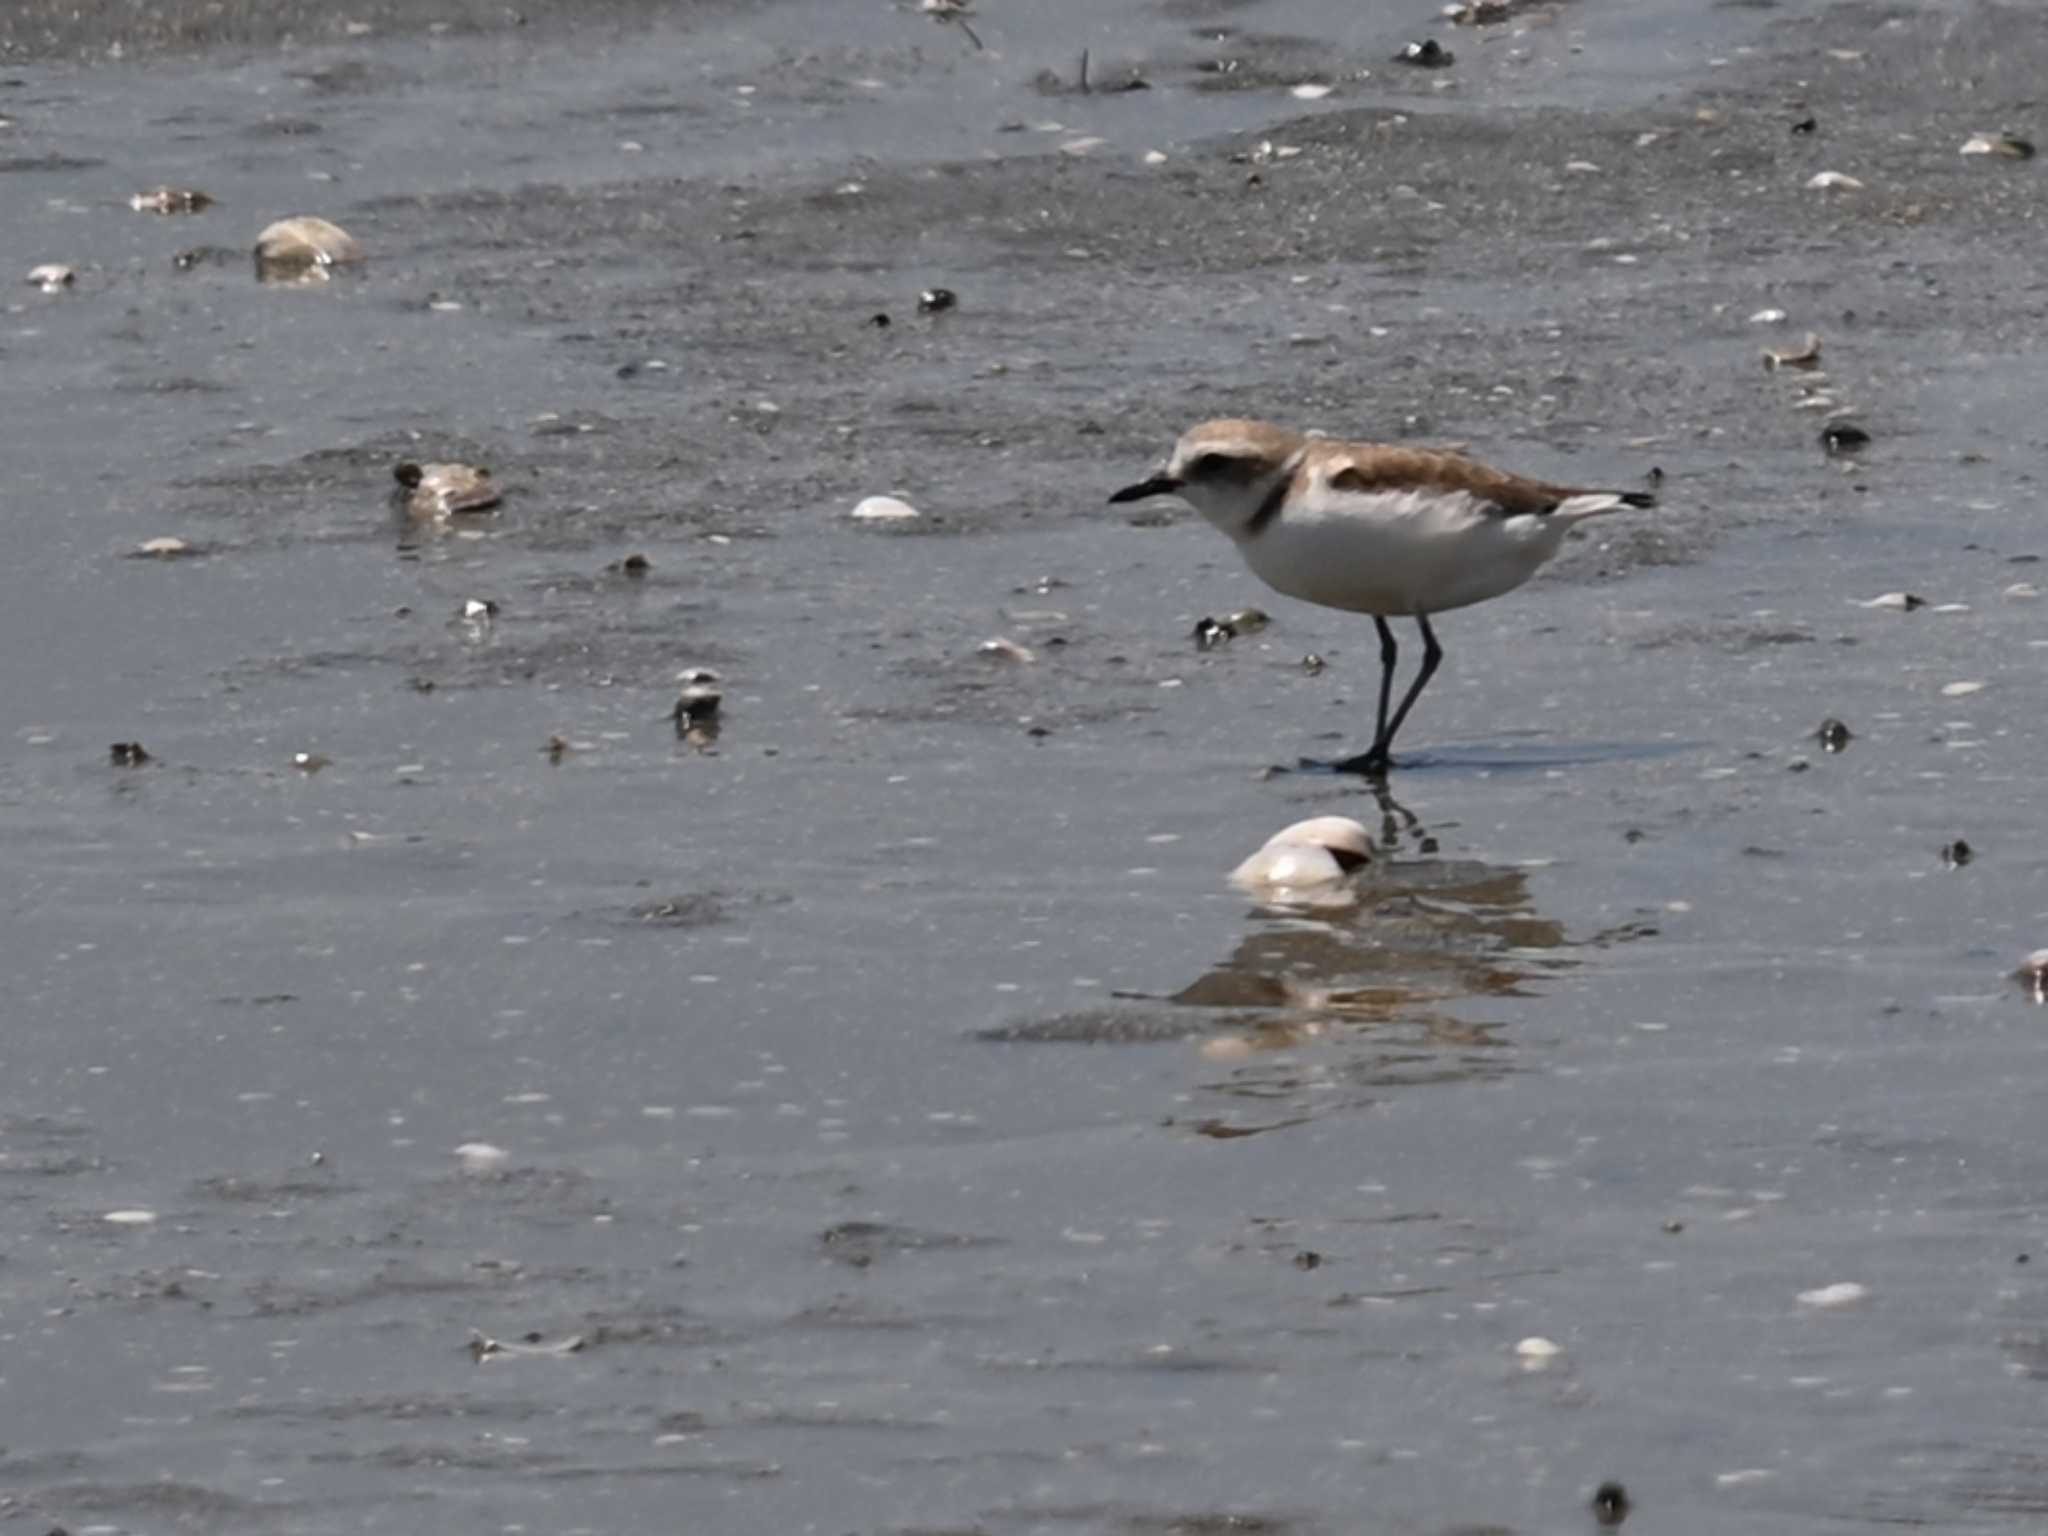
912	1125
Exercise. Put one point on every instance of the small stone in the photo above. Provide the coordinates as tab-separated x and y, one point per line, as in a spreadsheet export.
1248	621
1310	90
128	754
1610	1504
635	566
1000	649
879	321
1840	437
1313	664
169	200
936	301
1308	1258
1807	124
1956	854
1211	633
557	748
310	762
1833	735
883	509
1845	1293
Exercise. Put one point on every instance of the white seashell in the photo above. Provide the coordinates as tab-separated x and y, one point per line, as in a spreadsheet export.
883	509
1845	1293
1960	690
133	1218
52	276
1768	317
1834	181
480	1157
1317	854
1310	90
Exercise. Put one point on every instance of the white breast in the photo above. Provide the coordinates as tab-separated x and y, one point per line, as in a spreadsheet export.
1398	552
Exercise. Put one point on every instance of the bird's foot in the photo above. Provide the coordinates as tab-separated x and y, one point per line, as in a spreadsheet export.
1374	765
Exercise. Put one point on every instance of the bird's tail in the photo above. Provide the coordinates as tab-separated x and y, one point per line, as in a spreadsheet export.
1592	503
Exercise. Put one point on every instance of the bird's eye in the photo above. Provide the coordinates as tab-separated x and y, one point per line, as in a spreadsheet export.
1208	464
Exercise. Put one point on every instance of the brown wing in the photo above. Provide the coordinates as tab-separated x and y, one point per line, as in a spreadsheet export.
1413	469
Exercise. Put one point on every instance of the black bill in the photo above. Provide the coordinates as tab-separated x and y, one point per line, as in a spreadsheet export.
1158	485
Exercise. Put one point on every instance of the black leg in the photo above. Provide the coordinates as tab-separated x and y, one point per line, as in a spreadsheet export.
1432	658
1389	654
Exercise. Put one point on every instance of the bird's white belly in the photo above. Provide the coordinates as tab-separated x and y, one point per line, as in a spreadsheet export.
1398	552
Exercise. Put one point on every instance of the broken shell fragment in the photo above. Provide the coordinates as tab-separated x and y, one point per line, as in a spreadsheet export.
52	277
437	490
2033	975
168	200
700	700
883	509
1805	355
128	754
1427	53
2004	145
1000	649
479	609
532	1347
164	548
303	249
1834	181
1310	860
1843	1293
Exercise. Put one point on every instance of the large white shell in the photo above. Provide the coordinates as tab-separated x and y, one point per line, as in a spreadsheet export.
1307	857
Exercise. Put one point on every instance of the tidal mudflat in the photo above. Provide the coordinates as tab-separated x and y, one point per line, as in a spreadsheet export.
447	1087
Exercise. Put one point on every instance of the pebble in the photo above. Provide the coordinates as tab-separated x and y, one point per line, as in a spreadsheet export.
1537	1352
1310	90
1000	649
1768	317
936	301
1610	1504
1844	1293
130	1218
1839	437
883	509
1834	735
1426	54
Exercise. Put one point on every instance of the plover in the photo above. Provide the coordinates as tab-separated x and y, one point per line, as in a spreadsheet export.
1373	528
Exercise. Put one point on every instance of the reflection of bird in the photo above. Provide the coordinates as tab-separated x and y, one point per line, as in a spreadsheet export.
954	11
1373	528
